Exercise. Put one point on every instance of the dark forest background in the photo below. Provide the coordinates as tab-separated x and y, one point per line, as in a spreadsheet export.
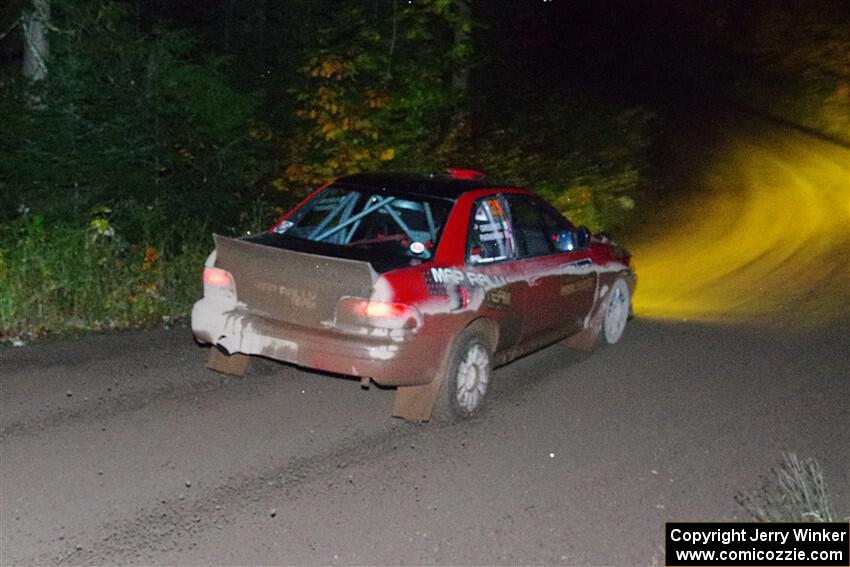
130	130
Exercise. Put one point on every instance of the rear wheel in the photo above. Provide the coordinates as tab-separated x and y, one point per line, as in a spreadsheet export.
467	379
616	312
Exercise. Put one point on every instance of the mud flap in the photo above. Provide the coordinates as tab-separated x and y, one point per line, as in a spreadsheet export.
588	338
584	340
416	403
235	364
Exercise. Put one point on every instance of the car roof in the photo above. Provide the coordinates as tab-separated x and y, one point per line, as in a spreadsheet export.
435	185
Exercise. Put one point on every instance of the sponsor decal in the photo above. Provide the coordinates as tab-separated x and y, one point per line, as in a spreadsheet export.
454	276
573	286
300	298
498	298
490	236
490	233
586	266
496	207
434	288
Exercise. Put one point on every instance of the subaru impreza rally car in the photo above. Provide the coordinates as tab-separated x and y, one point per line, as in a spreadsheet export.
423	282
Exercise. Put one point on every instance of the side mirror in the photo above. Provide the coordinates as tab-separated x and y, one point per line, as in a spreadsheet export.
582	237
565	241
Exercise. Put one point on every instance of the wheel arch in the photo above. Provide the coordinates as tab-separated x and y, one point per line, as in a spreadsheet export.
486	327
416	403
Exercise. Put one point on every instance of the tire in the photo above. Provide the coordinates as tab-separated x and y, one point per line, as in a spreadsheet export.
467	379
617	311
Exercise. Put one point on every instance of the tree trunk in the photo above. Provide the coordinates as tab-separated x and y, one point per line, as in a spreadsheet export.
460	76
35	22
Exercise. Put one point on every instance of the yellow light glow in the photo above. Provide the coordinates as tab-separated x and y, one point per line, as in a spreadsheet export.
764	236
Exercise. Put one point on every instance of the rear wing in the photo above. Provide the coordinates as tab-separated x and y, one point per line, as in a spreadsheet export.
291	286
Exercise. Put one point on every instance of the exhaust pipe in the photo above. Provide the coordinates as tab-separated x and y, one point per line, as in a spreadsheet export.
221	345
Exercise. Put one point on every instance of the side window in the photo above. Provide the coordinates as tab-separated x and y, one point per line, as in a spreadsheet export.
490	237
531	236
555	224
554	221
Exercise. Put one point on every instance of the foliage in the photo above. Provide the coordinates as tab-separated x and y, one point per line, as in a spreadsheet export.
59	278
819	104
377	92
794	492
106	269
376	89
587	157
805	71
808	40
136	140
786	59
126	115
143	140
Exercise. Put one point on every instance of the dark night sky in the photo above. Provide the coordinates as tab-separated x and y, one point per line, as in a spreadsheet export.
628	50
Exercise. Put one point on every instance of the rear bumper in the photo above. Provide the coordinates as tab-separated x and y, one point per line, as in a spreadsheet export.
388	360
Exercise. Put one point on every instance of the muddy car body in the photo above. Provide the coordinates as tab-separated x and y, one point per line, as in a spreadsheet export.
424	282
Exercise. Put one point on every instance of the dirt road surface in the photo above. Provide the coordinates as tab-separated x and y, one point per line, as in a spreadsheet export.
122	449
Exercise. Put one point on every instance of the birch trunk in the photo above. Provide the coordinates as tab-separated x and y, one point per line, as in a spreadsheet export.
35	22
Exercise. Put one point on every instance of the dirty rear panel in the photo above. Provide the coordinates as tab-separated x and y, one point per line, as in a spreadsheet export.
294	287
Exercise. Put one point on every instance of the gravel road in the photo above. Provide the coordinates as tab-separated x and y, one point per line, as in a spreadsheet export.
122	449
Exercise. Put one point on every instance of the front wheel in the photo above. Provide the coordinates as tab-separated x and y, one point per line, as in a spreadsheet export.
617	310
467	379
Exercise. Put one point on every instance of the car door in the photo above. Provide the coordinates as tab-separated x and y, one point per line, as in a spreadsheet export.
536	258
577	276
561	284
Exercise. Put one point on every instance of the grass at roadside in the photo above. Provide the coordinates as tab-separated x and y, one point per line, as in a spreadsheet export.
110	268
795	491
820	105
68	277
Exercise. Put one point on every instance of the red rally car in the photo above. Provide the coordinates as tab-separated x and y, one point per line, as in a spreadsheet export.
423	282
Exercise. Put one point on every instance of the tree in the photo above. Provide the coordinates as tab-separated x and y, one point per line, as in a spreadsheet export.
810	40
35	22
139	121
379	87
462	51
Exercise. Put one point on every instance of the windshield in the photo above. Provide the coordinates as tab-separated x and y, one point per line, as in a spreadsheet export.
399	225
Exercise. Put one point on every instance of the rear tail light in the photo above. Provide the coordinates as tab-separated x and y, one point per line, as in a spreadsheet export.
219	284
366	312
217	277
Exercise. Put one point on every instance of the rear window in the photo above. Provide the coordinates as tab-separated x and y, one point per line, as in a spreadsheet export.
397	225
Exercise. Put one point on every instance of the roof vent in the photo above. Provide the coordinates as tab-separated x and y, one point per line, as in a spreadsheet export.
465	174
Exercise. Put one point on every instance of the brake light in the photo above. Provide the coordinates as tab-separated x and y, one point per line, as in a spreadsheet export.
217	277
391	310
465	174
355	310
